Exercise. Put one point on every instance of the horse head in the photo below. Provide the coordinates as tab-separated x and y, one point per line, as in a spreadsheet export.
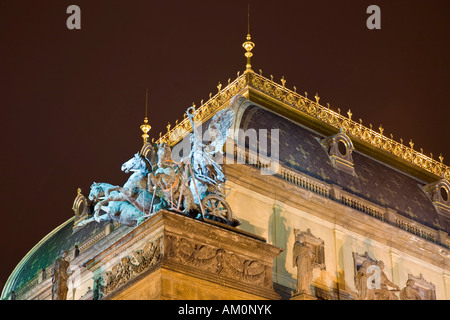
137	163
97	191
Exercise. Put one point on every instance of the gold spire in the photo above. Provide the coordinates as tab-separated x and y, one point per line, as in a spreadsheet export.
145	127
248	45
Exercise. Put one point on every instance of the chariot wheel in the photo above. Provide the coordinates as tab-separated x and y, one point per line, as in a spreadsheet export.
216	208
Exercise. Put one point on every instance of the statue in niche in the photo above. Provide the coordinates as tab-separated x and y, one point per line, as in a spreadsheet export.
371	281
362	275
410	292
304	258
384	293
60	277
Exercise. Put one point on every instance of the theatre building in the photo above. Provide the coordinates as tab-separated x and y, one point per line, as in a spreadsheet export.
314	205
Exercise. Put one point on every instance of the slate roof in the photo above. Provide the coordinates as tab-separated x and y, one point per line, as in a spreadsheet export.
377	182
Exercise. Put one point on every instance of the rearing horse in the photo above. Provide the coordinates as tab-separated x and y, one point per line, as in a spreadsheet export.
134	190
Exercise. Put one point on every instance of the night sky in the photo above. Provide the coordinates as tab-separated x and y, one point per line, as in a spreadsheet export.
72	101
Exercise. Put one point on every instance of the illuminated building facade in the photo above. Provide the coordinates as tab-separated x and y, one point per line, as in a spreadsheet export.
344	212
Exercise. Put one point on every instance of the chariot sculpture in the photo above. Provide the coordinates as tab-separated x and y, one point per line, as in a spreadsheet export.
194	186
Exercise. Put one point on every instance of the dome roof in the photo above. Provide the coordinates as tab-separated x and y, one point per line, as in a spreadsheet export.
46	251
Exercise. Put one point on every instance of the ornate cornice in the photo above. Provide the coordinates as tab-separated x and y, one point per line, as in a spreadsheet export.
305	106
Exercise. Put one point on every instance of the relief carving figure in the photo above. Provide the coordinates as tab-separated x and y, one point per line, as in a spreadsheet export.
409	292
303	259
130	266
218	261
60	276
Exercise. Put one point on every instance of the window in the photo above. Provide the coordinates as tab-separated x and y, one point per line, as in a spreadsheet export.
339	148
438	193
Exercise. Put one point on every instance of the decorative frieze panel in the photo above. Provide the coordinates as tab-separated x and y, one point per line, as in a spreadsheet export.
130	267
217	261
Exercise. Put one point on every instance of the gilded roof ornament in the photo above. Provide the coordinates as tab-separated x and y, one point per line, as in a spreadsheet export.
302	103
145	127
248	45
349	114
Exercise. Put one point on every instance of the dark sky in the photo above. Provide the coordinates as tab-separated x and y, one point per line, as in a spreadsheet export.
72	101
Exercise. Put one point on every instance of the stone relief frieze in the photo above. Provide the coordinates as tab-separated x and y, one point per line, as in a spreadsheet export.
130	266
218	261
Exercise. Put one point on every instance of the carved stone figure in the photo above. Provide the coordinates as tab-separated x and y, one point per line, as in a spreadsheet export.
362	275
303	259
409	292
384	293
59	277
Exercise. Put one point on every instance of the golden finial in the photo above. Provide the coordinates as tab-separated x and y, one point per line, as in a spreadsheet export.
260	72
381	129
283	81
349	114
248	45
145	127
168	126
441	158
317	98
411	144
219	86
295	89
